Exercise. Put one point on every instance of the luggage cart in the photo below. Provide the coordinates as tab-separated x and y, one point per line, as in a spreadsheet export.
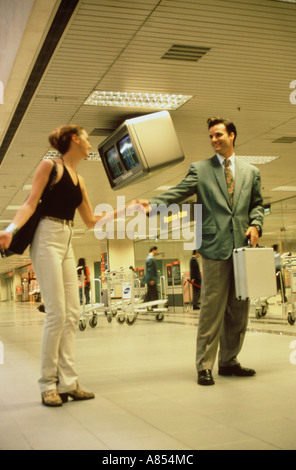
93	309
289	263
158	307
124	285
121	295
261	306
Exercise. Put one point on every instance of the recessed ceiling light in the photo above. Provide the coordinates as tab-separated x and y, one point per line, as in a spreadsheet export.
93	156
13	208
284	188
163	188
137	100
259	160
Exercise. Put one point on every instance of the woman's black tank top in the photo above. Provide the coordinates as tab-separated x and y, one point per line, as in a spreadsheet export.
62	199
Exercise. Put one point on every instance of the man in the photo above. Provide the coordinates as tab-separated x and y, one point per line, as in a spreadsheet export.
232	211
151	275
195	279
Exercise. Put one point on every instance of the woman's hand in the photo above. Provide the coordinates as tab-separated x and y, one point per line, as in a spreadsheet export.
141	205
5	240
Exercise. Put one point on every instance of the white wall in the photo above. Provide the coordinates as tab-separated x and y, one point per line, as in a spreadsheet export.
14	15
120	253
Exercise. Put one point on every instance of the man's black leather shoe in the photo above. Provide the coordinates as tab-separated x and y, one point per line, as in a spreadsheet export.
205	377
237	370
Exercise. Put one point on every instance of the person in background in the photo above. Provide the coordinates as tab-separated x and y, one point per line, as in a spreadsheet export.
84	280
195	278
53	259
151	275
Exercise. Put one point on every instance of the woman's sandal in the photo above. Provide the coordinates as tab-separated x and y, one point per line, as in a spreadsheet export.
76	395
51	398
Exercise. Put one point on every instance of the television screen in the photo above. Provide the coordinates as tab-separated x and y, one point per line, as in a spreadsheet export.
114	163
140	146
127	153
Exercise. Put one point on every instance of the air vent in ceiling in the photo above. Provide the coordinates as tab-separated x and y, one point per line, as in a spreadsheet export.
183	52
284	140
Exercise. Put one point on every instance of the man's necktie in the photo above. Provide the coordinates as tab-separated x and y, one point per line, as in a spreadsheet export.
229	179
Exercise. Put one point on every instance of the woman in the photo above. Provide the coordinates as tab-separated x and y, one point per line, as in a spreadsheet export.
53	260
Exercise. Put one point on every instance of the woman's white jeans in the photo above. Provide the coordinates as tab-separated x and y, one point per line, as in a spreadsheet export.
54	264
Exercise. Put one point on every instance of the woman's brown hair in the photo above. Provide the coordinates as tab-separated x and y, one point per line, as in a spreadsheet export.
60	138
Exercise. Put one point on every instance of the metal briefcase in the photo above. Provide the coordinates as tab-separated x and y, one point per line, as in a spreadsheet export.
254	272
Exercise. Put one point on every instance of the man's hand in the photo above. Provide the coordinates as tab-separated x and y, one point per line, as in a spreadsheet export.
141	205
252	232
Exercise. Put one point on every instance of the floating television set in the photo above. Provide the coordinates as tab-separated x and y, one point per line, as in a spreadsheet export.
140	147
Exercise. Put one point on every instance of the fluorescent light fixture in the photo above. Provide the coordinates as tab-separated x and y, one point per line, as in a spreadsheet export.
52	154
163	188
13	208
136	100
80	231
93	156
257	160
284	188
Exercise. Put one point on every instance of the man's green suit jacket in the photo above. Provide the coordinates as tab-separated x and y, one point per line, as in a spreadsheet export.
223	227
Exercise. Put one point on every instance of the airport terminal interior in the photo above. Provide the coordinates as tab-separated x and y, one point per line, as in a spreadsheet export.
146	75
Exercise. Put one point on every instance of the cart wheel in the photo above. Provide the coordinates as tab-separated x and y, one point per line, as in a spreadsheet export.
82	325
130	321
109	318
258	313
120	319
291	319
159	317
93	321
264	310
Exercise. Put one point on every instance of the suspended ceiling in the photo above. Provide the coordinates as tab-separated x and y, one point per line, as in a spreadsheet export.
242	65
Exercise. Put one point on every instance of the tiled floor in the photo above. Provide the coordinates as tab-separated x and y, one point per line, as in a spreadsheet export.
147	397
